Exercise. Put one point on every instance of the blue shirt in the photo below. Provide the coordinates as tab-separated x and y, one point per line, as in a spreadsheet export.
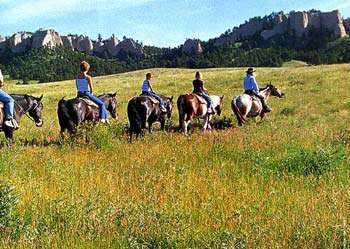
250	83
82	85
146	86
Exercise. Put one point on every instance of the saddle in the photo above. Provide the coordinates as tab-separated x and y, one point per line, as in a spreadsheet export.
152	99
88	101
200	98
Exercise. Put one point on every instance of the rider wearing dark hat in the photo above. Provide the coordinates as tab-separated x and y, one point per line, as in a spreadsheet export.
251	88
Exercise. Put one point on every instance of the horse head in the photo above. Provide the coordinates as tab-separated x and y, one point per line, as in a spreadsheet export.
275	91
111	103
169	105
36	107
218	103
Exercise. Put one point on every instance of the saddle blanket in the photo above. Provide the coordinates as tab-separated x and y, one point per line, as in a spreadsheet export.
88	101
200	98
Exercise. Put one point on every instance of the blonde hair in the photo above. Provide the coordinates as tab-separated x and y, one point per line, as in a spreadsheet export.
84	66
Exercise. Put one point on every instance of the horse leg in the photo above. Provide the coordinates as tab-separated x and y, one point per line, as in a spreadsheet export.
162	124
9	135
150	127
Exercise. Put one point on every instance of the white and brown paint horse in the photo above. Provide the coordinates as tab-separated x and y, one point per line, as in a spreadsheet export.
246	106
192	106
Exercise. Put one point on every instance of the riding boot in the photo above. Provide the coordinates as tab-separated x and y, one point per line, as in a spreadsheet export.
265	106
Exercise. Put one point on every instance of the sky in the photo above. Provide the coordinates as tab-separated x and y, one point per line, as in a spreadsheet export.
164	23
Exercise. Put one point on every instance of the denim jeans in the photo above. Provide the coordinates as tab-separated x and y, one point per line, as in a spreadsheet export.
99	102
9	104
152	94
208	99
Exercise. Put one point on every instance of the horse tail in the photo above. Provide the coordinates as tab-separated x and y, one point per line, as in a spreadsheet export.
135	119
182	110
64	117
241	120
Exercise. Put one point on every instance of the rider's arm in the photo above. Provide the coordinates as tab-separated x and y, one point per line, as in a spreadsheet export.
254	84
89	78
150	86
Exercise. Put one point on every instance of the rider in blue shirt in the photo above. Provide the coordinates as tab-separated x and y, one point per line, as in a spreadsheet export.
147	90
84	89
251	88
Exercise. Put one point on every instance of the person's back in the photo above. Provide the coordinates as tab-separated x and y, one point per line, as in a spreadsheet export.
198	86
82	83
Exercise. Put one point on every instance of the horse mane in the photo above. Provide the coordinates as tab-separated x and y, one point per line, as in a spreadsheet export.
265	87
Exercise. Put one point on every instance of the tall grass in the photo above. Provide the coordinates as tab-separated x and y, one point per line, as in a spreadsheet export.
278	183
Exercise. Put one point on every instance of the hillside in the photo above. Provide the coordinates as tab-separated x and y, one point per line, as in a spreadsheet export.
312	36
282	182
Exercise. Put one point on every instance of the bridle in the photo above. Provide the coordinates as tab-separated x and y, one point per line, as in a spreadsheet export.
30	109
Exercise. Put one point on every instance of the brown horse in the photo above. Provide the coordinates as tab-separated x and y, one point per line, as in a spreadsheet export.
246	106
73	112
192	106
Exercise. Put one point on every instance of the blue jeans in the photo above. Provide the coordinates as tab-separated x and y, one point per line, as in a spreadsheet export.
152	94
99	102
208	99
9	104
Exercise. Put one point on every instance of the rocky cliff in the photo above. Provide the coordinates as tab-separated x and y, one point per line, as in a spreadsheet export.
22	41
299	23
192	46
347	25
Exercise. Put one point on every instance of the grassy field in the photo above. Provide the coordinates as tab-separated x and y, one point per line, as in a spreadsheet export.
280	183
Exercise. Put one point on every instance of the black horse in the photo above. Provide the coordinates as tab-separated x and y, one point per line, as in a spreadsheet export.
73	112
24	104
143	109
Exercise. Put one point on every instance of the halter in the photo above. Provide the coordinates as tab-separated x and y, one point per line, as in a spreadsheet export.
30	109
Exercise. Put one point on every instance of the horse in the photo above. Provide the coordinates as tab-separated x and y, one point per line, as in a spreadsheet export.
192	106
145	109
24	105
73	112
246	106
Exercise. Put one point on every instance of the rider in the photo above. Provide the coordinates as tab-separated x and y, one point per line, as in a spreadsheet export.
251	88
9	105
85	89
147	90
198	88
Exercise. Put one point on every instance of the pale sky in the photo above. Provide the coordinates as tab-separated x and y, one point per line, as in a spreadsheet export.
154	22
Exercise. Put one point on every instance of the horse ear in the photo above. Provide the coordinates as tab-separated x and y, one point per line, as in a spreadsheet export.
114	94
171	98
41	97
222	97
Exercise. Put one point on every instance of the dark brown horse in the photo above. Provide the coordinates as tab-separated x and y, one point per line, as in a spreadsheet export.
192	106
73	112
24	105
145	109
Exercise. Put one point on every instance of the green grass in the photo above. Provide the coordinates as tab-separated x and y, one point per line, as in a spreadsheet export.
280	183
294	63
